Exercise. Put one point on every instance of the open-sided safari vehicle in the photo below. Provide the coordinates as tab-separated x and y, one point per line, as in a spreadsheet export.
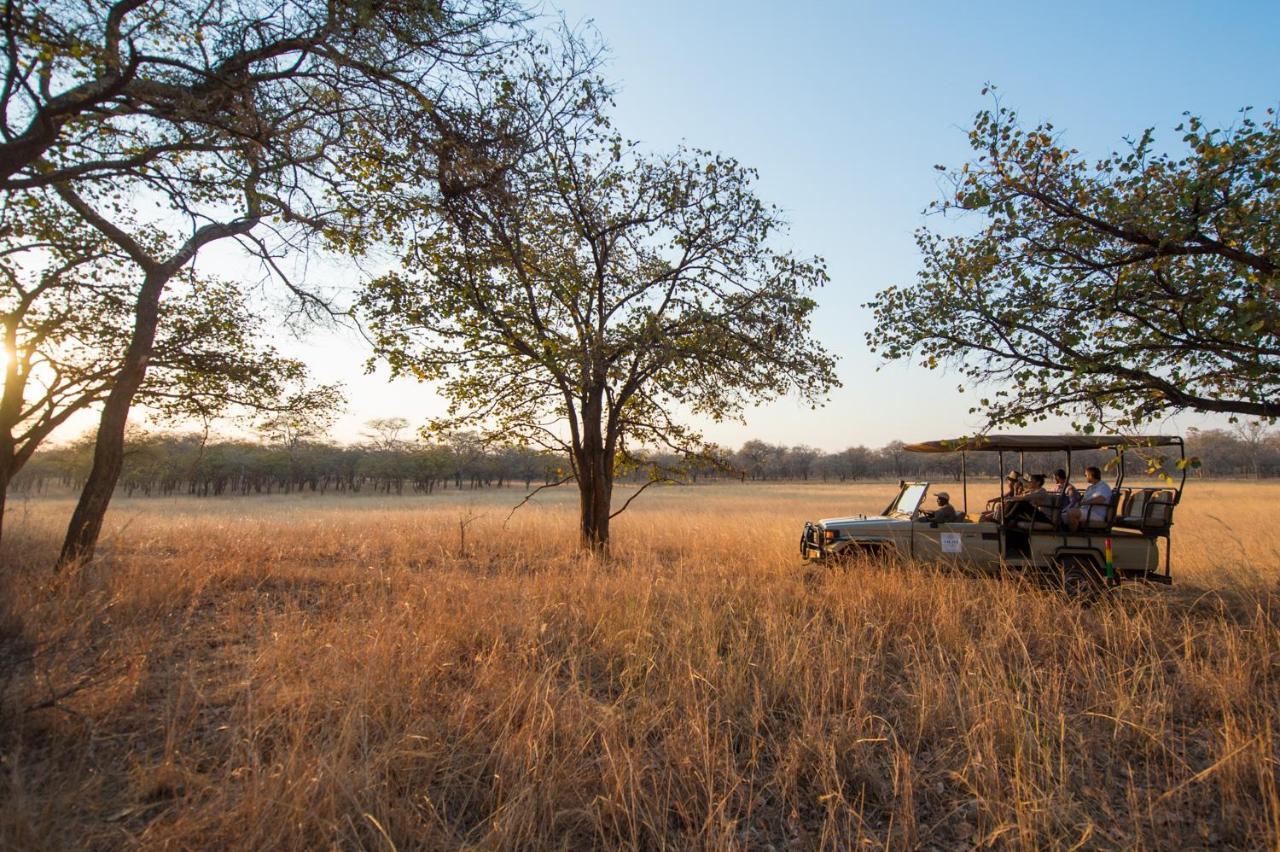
1116	541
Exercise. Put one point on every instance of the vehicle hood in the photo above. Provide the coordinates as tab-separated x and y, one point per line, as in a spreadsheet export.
860	522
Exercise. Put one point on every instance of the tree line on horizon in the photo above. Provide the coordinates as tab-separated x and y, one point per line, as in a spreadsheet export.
192	464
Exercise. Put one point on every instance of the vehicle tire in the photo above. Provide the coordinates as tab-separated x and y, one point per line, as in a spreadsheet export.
1081	581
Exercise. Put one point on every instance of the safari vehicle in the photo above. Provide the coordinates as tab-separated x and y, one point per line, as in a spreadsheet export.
1121	544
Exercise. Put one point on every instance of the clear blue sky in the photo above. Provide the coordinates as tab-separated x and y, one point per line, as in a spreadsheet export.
845	108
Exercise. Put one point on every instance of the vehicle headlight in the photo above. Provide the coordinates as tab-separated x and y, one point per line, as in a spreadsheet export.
830	535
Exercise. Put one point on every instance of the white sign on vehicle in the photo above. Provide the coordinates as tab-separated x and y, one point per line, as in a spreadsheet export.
951	543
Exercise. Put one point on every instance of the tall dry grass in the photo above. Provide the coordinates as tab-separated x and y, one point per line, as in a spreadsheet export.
305	673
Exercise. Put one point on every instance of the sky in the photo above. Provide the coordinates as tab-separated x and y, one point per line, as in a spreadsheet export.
845	108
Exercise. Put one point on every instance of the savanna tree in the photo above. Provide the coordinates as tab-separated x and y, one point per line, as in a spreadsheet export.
66	315
1116	290
593	295
230	121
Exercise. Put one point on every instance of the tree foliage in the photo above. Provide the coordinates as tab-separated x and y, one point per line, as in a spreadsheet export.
1116	291
169	90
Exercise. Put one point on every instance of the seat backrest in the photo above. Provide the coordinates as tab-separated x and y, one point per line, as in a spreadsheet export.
1131	505
1158	513
1148	509
1049	515
1113	509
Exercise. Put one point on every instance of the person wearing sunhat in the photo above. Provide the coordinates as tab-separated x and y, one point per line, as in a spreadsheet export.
944	514
1036	499
1014	485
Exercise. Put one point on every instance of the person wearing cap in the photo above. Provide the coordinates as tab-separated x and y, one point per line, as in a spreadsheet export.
944	514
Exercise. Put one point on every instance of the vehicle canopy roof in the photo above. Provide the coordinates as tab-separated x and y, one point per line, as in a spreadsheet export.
1042	443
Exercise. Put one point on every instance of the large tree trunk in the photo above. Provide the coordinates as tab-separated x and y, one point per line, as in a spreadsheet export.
108	451
595	479
595	491
4	495
10	412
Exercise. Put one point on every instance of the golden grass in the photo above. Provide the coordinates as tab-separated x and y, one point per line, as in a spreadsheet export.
317	672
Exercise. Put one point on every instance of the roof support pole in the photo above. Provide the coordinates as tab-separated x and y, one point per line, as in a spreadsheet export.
964	480
1182	455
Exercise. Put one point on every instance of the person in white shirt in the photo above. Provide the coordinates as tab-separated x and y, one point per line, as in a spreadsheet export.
1093	505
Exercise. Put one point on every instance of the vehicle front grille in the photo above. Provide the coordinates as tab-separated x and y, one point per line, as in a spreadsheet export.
811	539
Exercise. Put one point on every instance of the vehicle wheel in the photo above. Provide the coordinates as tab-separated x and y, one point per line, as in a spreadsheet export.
1081	582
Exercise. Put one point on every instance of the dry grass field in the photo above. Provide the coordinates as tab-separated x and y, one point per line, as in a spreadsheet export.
304	673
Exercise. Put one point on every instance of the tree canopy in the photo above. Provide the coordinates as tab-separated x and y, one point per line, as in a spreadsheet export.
594	293
1115	290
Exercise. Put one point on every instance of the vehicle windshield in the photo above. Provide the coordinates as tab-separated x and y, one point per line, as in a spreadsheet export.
909	499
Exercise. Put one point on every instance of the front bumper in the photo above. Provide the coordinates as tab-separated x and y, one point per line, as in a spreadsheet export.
812	543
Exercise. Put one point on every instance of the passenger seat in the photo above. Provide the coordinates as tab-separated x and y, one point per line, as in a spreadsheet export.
1149	510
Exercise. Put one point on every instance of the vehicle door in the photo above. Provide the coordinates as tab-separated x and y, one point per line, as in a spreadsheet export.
956	543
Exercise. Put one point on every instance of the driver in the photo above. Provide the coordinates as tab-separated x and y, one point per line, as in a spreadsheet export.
944	514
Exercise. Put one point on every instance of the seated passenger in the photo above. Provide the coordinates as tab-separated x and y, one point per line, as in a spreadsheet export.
1035	494
944	514
1014	486
1068	494
1095	503
1031	503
